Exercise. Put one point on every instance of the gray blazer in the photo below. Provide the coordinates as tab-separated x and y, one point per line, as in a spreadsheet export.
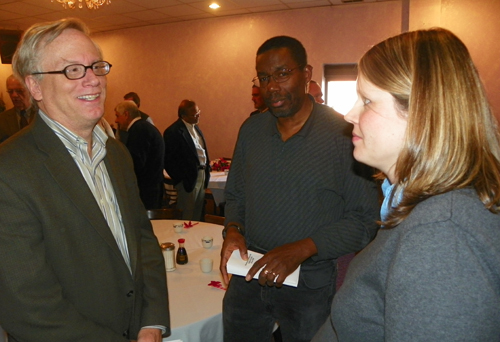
62	276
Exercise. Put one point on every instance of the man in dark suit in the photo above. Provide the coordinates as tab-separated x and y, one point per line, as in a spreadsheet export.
186	160
147	149
79	260
134	97
19	116
122	135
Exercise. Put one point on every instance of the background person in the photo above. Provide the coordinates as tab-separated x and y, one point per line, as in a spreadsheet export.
316	92
258	101
147	149
433	271
132	96
293	195
19	116
79	260
186	160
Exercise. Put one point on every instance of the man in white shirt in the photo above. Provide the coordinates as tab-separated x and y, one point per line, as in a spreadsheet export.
186	160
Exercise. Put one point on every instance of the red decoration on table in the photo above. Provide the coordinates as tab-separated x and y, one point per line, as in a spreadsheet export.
217	284
190	224
221	164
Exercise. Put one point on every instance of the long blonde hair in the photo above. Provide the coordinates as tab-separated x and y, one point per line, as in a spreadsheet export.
451	140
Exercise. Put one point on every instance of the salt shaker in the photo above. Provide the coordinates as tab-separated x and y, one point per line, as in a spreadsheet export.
168	249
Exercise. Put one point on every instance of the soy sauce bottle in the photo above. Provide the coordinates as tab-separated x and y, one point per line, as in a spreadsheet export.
182	257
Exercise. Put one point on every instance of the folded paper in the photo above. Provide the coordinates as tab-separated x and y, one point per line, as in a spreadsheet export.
237	266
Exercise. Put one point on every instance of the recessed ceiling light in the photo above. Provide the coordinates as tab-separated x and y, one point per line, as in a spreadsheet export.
214	6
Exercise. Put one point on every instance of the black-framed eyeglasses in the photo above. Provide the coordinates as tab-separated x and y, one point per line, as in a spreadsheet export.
77	71
278	76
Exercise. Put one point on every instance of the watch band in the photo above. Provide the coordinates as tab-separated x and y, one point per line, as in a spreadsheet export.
240	228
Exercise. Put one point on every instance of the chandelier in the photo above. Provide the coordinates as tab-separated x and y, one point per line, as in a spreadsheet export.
91	4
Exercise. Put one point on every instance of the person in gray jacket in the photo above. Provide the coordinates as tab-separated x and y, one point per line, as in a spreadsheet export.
433	271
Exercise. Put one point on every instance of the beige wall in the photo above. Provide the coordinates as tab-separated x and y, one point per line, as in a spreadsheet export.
212	61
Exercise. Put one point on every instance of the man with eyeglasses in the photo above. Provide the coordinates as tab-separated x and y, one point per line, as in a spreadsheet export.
186	160
19	116
79	260
294	196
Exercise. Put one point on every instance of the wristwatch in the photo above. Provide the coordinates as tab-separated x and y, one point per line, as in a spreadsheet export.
240	228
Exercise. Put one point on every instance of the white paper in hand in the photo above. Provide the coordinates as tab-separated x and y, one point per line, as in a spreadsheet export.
237	266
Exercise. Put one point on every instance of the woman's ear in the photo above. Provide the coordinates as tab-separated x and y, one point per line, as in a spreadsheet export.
33	86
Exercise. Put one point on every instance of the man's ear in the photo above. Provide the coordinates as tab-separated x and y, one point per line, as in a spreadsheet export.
34	88
308	69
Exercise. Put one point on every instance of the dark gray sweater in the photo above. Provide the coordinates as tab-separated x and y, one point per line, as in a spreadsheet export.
304	187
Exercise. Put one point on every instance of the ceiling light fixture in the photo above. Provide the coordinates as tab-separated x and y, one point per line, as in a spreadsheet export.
91	4
214	6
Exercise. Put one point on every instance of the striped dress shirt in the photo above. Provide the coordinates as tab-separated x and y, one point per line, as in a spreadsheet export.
96	175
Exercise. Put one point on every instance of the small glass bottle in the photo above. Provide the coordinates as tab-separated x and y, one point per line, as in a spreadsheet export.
182	257
168	249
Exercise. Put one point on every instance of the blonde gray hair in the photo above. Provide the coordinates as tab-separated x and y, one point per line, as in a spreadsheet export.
29	52
130	107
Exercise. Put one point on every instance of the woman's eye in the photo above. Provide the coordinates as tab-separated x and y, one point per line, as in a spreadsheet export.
366	102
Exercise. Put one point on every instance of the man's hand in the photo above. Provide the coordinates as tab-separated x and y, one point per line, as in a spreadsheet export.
149	335
234	240
281	262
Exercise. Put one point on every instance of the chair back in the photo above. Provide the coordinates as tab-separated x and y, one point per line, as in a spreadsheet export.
164	214
215	219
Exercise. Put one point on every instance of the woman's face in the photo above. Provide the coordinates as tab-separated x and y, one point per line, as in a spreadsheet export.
379	128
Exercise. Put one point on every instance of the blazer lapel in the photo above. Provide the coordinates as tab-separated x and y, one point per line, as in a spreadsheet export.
187	137
67	175
120	186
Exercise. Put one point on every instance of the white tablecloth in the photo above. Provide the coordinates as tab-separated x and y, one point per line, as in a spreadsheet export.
195	307
217	185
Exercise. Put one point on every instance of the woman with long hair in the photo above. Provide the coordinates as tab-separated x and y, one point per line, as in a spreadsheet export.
433	271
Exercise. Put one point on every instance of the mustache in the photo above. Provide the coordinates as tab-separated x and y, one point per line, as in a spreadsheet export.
275	98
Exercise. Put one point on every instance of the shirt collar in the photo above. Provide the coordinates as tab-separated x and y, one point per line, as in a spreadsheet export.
132	122
188	125
98	135
306	128
387	190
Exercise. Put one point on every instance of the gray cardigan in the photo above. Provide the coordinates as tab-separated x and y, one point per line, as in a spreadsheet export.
435	277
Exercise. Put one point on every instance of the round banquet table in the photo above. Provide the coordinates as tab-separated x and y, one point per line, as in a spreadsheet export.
195	307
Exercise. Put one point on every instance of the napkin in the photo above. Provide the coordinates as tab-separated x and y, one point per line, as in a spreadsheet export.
217	284
190	224
237	266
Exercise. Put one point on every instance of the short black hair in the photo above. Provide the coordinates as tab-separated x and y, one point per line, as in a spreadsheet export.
184	106
134	97
296	48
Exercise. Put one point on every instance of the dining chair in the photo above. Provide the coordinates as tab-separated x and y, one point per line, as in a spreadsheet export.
210	206
164	214
214	219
